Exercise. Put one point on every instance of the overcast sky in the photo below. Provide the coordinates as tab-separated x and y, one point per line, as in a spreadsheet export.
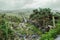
21	4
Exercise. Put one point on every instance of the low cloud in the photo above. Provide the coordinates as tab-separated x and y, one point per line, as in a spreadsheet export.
21	4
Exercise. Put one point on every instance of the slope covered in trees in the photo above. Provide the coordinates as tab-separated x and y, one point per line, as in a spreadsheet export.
42	24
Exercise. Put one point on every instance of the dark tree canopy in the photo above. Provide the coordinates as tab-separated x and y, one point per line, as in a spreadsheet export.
42	16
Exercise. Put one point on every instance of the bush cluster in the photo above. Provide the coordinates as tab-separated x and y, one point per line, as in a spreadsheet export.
51	34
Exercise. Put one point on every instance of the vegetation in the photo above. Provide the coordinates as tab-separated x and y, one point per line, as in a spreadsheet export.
51	34
10	26
45	17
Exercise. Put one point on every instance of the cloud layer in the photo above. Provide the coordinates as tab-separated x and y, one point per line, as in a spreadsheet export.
21	4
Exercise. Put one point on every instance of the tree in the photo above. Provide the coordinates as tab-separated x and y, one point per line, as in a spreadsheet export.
43	17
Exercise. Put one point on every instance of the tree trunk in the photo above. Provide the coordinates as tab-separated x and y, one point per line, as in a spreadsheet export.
53	21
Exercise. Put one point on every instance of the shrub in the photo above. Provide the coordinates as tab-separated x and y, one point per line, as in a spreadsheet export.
51	34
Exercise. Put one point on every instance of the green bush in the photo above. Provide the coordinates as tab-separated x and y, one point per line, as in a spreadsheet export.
51	34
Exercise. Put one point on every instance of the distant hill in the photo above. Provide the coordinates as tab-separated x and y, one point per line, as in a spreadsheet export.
25	12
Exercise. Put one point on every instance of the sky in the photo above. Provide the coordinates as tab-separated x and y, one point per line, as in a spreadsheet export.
23	4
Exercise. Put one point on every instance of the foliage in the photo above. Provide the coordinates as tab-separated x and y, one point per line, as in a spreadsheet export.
34	29
42	16
12	19
5	30
29	29
51	34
